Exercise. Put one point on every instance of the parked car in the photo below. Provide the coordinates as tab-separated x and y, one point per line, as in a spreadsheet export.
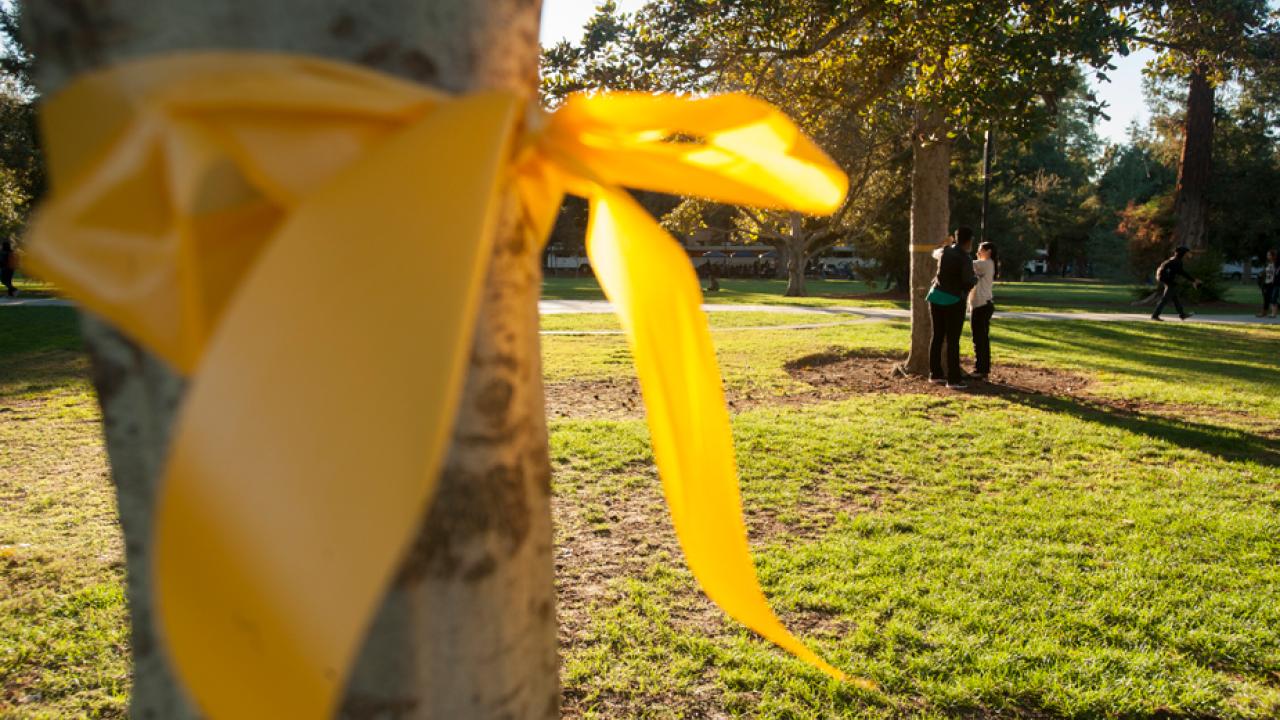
580	264
1233	271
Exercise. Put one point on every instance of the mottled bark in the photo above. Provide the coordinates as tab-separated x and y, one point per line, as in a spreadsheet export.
796	258
468	628
1190	201
930	216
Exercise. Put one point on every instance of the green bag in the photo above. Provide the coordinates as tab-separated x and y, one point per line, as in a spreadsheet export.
938	296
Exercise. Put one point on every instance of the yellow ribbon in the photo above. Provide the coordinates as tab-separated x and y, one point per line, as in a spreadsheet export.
202	203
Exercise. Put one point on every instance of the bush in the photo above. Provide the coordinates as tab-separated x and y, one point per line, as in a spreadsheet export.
1147	228
1205	266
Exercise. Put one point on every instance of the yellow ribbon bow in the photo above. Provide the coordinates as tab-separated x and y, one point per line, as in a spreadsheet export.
199	199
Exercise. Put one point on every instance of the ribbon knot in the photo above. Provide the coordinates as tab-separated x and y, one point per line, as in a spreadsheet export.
205	208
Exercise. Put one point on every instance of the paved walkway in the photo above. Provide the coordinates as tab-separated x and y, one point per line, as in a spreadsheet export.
20	301
558	307
567	307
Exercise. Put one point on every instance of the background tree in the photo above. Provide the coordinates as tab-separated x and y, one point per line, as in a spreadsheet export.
21	165
1244	195
466	630
1040	189
1129	174
1204	43
685	46
940	66
1242	180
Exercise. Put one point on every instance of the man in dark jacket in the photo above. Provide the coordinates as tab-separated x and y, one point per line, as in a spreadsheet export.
8	263
946	307
1167	275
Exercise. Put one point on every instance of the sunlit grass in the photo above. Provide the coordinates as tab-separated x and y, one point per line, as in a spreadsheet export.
1037	295
1023	556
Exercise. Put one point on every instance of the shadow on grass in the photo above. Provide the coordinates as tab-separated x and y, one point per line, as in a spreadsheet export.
40	350
1162	352
1231	444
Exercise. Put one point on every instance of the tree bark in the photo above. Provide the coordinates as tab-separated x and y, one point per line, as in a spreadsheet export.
1190	203
930	216
796	258
468	627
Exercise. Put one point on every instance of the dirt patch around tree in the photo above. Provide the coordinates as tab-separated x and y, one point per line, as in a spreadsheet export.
855	372
604	538
829	376
839	374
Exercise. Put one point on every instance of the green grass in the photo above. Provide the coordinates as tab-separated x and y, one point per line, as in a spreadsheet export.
1023	556
1211	366
63	632
32	287
737	292
599	322
1040	295
1026	557
1012	562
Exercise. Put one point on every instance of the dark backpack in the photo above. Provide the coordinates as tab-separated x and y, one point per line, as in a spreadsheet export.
1164	273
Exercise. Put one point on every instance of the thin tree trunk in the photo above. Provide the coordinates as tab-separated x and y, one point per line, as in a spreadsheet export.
930	216
468	628
1190	202
796	259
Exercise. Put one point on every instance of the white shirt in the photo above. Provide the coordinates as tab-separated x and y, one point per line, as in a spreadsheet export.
982	293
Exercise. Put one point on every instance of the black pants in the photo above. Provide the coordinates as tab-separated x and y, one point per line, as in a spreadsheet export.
1269	295
947	324
6	279
982	338
1169	291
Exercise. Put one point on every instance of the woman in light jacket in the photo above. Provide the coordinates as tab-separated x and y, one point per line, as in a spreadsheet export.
981	306
1269	282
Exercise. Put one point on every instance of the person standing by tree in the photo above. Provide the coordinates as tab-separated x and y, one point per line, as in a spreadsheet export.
1167	275
1269	281
981	307
952	282
8	264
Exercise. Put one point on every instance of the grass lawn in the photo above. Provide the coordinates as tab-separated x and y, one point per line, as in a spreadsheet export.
32	287
1040	295
1104	544
63	632
608	322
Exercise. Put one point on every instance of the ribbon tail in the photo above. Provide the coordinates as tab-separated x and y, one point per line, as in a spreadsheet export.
648	278
314	432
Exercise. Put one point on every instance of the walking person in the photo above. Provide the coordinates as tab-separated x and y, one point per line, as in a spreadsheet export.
8	264
951	284
1269	282
982	306
1167	275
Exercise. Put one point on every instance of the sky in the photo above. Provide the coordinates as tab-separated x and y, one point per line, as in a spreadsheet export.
563	19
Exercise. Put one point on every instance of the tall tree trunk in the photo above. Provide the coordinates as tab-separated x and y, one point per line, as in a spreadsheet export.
1190	203
930	215
468	627
796	258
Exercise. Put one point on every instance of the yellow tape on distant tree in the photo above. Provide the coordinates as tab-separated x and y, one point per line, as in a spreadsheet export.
200	203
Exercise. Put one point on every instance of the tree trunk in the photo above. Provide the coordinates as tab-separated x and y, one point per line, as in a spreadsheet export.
468	627
1190	203
930	216
796	258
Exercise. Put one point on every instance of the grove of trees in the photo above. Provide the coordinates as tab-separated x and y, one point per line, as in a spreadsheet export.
901	94
898	92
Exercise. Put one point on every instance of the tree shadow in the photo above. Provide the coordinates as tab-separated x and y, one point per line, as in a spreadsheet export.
1227	443
1173	351
40	351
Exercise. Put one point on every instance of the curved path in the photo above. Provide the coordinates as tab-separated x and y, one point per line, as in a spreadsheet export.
559	307
566	307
